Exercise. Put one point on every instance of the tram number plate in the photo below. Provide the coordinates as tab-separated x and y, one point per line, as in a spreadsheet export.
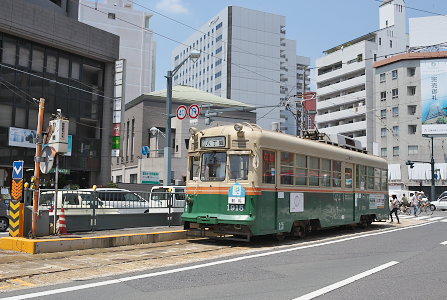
235	207
236	200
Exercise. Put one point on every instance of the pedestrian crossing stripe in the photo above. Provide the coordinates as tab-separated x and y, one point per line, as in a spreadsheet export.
435	219
421	218
444	220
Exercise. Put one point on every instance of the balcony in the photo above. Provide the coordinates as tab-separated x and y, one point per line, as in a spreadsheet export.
346	69
341	100
350	127
341	115
342	85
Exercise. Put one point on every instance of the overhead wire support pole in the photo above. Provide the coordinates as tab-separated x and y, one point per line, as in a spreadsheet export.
37	165
432	163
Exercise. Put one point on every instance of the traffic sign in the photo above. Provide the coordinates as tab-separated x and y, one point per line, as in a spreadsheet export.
17	169
48	153
194	111
182	112
145	150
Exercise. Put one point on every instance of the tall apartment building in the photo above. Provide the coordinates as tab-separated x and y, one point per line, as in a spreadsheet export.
345	77
136	41
245	56
45	52
410	99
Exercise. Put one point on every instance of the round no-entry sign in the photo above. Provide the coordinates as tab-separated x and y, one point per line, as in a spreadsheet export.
194	111
182	112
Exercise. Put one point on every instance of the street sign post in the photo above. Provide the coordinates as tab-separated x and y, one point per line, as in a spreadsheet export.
194	111
16	205
182	112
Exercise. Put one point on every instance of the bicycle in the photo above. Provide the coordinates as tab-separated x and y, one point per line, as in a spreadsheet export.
426	208
407	210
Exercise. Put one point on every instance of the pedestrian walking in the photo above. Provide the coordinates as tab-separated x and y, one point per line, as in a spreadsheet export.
413	204
394	208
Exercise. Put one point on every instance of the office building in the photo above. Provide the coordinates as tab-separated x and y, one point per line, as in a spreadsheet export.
137	46
47	53
245	57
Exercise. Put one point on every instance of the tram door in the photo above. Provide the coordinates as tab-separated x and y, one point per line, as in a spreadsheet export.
349	196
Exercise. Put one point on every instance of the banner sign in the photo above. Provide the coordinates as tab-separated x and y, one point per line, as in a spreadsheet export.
434	96
20	137
150	177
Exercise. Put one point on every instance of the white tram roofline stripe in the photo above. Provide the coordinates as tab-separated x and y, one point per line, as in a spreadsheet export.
435	219
347	281
444	243
204	265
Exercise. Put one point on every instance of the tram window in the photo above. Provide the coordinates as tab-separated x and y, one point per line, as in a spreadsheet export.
268	166
348	178
301	170
360	177
194	168
314	171
377	179
239	165
384	180
287	162
213	166
370	178
325	172
336	173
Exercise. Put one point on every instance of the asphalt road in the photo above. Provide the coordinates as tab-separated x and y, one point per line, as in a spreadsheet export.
408	262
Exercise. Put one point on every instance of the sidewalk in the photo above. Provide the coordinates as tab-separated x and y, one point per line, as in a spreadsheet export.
89	240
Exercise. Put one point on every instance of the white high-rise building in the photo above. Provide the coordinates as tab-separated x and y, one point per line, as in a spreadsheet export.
345	77
137	47
245	56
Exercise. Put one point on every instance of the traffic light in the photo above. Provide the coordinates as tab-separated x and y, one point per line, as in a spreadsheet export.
410	163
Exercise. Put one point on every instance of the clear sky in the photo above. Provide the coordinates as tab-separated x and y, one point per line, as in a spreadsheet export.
316	25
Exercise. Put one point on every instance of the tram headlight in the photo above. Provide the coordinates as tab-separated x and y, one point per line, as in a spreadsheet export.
238	127
193	131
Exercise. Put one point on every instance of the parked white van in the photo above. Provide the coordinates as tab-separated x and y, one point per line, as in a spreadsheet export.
125	201
161	194
75	202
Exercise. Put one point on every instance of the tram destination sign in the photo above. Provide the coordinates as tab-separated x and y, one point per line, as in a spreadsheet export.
213	142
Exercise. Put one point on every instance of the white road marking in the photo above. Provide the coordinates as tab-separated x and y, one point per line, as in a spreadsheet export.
405	217
444	243
444	220
204	265
435	219
347	281
421	218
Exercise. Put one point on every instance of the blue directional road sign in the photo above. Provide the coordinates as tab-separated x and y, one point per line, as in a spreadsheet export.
17	169
145	150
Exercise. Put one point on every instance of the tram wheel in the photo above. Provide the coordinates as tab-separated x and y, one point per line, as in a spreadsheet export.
300	231
280	236
364	221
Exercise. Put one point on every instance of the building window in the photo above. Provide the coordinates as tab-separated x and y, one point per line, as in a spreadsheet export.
218	87
413	149
380	41
382	77
383	152
412	129
119	179
218	50
218	74
395	111
396	130
133	178
219	26
411	72
411	90
382	96
111	16
411	110
218	38
218	62
394	93
394	74
396	151
383	114
383	132
391	43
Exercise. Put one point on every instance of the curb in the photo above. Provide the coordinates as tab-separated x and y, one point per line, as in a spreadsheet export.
69	244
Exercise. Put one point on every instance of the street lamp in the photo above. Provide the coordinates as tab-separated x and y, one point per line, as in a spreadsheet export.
194	55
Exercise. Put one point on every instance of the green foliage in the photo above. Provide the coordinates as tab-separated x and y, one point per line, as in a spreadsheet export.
441	120
111	185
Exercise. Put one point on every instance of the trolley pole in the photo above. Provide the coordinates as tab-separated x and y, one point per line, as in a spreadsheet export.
37	165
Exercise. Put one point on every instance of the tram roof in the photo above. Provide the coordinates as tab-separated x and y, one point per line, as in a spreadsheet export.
274	140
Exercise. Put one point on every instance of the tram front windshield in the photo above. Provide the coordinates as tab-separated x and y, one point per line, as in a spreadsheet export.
214	165
239	166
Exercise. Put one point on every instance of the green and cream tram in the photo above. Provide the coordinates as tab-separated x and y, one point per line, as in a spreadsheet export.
244	181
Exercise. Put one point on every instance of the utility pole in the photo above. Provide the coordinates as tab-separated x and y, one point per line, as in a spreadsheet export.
432	163
37	165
